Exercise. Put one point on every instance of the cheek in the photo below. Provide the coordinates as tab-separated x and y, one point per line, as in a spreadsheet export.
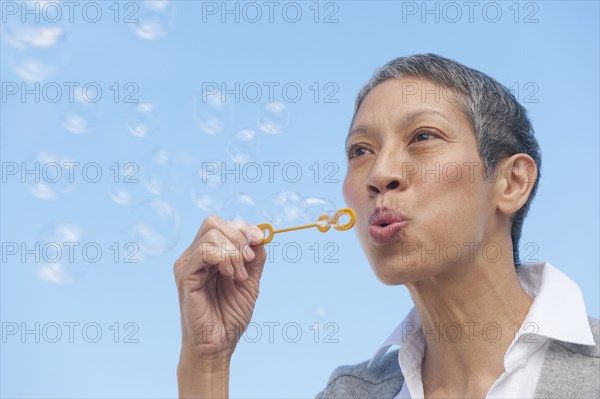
451	208
350	191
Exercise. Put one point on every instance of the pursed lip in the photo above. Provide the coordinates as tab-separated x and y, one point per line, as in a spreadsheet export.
385	224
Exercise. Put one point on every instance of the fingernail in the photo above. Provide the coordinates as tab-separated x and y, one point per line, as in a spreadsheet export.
257	236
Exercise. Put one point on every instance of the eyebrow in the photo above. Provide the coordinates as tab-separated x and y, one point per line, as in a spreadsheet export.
409	118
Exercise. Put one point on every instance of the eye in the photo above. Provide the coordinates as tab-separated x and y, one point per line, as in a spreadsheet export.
424	135
355	150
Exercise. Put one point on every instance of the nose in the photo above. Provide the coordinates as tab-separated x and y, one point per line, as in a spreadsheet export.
385	175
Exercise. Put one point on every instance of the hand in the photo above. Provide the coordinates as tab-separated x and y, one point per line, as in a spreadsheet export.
217	279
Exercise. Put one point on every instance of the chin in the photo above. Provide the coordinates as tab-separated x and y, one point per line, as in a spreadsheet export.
399	272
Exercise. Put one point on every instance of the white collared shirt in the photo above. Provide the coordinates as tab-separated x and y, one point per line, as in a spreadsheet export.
558	311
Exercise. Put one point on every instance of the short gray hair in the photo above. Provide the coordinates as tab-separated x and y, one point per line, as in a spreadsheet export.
500	123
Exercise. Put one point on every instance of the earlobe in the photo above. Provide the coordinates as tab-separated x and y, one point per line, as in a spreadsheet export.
519	174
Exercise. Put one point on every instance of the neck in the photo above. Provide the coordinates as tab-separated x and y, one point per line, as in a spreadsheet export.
469	317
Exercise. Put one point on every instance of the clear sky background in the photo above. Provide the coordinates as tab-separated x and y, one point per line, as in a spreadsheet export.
110	328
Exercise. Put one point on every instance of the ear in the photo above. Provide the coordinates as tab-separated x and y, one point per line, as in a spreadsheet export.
517	176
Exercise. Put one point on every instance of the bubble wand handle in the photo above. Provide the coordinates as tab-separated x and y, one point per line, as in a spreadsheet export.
323	224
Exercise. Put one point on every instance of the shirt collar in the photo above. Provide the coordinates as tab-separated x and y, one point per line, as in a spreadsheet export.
558	310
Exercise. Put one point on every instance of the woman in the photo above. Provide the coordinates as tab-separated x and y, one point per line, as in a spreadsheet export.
442	168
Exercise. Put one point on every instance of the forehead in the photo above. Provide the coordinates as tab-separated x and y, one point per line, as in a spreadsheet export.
408	93
406	101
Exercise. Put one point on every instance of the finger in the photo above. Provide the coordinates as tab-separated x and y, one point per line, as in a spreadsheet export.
253	234
217	249
237	237
255	268
210	222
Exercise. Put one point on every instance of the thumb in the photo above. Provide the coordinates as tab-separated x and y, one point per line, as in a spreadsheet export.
255	267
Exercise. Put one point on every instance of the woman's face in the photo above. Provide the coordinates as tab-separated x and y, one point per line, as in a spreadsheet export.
413	151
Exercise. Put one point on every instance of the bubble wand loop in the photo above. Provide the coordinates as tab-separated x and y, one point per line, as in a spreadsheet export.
322	227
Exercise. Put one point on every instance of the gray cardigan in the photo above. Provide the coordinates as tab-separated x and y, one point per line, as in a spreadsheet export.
569	371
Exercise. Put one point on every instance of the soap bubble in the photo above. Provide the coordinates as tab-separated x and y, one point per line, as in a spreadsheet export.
155	227
141	119
284	207
120	195
314	207
157	171
53	175
58	263
321	311
125	183
240	207
38	42
243	146
79	116
212	113
209	192
36	65
155	19
273	118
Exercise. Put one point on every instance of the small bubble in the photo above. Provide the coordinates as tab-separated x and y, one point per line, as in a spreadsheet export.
79	116
284	207
155	19
240	207
321	311
212	113
313	208
58	263
53	175
273	118
124	183
142	119
209	192
155	227
243	146
157	171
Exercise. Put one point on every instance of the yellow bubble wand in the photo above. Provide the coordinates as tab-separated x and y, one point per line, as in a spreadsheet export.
323	224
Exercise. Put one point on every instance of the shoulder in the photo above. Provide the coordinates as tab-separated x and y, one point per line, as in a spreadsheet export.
571	368
582	350
382	379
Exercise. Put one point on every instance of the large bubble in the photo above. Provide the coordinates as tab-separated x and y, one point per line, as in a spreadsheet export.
284	207
155	226
240	206
314	207
37	39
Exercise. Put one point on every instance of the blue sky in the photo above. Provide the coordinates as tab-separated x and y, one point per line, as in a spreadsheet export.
108	327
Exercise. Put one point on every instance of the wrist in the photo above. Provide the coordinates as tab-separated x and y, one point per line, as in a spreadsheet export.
202	363
202	377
